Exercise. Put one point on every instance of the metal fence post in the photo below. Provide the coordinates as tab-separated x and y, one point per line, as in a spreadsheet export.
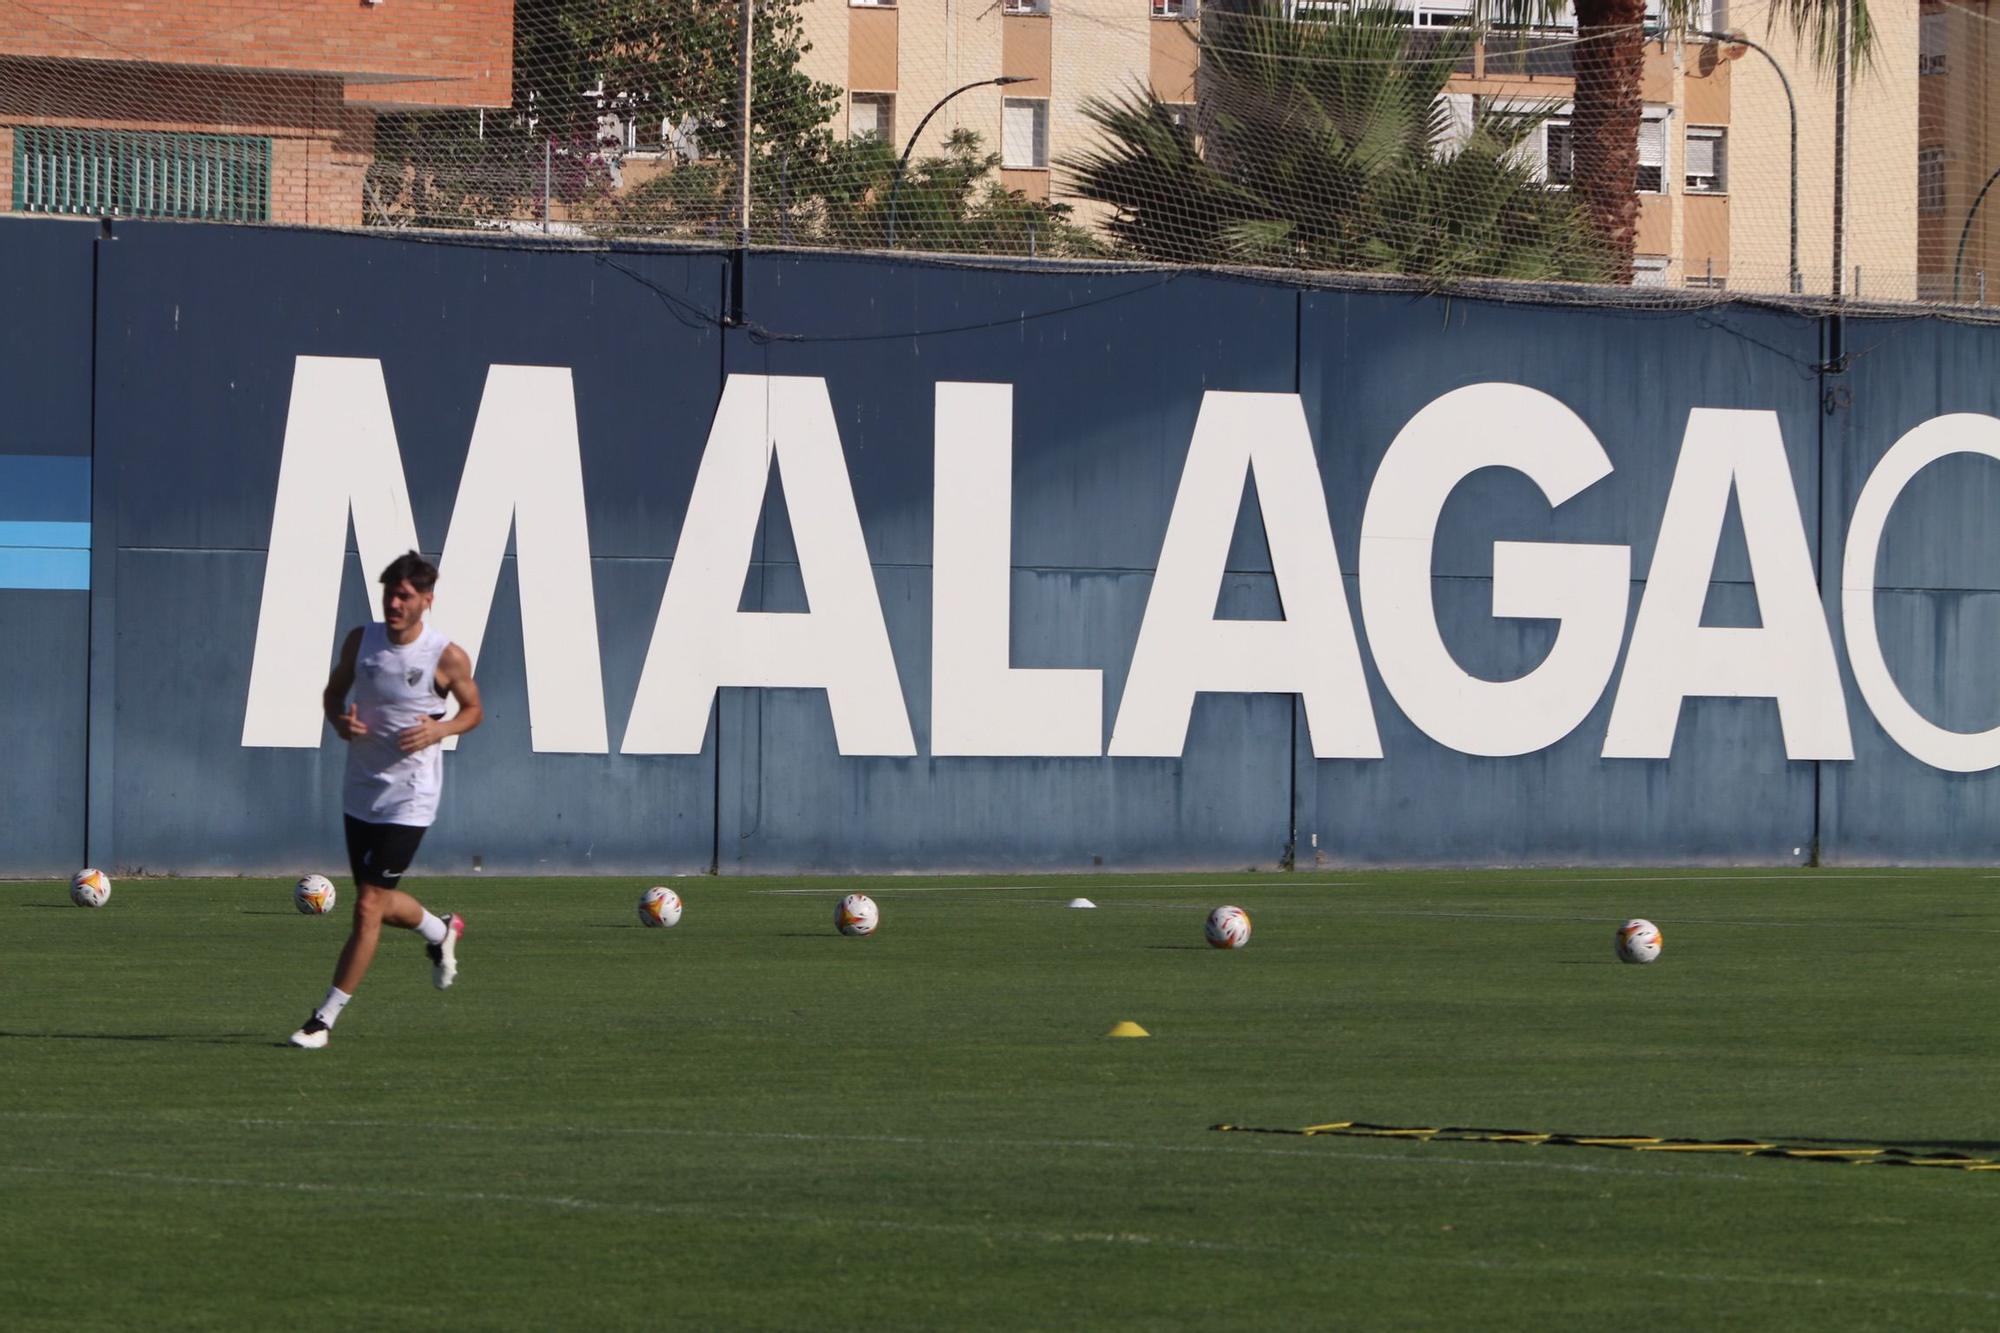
743	139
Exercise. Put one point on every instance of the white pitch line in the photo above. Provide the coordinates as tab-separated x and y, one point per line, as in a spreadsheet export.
880	889
1136	1239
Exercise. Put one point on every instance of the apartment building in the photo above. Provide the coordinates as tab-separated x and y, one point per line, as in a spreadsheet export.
1958	155
241	110
1714	150
896	58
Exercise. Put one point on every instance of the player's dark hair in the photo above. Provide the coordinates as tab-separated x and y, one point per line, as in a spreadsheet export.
412	568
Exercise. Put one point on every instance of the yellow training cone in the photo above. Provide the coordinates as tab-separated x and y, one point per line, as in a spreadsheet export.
1127	1028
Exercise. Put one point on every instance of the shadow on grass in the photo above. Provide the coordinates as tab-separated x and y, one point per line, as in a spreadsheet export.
43	904
1970	1147
225	1039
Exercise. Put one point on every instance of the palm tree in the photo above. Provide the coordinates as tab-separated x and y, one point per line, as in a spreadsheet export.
1608	59
1327	144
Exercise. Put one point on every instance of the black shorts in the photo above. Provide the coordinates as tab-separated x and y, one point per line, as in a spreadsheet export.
380	853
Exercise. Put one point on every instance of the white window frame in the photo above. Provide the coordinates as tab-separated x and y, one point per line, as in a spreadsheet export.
1930	180
1654	267
1549	176
1040	135
1174	9
886	104
871	4
1024	6
1716	181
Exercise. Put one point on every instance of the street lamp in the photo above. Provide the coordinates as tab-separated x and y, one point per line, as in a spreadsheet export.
1737	39
903	162
1965	232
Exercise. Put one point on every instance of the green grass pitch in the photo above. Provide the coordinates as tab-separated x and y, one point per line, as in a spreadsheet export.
751	1122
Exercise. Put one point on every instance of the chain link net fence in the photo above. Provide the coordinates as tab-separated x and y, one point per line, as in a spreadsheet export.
1449	141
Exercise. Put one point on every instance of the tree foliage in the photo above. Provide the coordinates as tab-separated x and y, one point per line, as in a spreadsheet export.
673	63
1608	60
1325	144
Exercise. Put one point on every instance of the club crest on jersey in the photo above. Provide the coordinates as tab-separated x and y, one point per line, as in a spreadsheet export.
413	677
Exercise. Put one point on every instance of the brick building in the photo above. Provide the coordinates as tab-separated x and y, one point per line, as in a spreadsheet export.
246	110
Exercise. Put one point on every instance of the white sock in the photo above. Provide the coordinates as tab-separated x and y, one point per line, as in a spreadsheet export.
431	928
329	1008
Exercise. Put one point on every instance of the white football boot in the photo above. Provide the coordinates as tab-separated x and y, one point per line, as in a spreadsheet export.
444	957
313	1036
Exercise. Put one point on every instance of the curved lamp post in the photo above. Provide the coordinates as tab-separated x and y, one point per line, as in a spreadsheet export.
1965	232
903	162
1792	106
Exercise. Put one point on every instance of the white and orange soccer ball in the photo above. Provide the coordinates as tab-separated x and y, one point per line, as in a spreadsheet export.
857	914
314	895
90	888
1228	928
1638	941
659	906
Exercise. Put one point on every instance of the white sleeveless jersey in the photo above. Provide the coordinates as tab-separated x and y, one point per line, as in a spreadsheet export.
395	686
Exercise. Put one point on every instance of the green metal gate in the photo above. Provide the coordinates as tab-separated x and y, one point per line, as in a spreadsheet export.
141	173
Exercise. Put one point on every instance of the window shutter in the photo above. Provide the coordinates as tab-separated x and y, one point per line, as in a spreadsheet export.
1652	143
864	118
1700	154
1017	134
1024	133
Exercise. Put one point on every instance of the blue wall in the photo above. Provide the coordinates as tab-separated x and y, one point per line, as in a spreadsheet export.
45	511
123	722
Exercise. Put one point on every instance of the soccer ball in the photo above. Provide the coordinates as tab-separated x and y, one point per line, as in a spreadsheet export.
660	907
1638	941
313	895
90	888
1228	928
857	915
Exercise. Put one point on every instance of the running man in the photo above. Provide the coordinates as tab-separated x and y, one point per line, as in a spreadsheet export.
399	672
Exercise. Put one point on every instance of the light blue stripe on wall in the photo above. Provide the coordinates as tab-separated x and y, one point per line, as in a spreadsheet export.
44	567
61	536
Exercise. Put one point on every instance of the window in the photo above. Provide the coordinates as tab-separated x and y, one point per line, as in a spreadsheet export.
872	116
1460	110
1173	9
1930	43
1930	179
130	173
1025	7
1708	281
1652	152
1559	156
871	4
1649	270
1707	159
1024	132
1439	13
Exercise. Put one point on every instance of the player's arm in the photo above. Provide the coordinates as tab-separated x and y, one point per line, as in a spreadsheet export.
347	724
454	676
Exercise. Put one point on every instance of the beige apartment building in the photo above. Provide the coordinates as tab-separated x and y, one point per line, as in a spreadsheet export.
1714	146
1958	232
